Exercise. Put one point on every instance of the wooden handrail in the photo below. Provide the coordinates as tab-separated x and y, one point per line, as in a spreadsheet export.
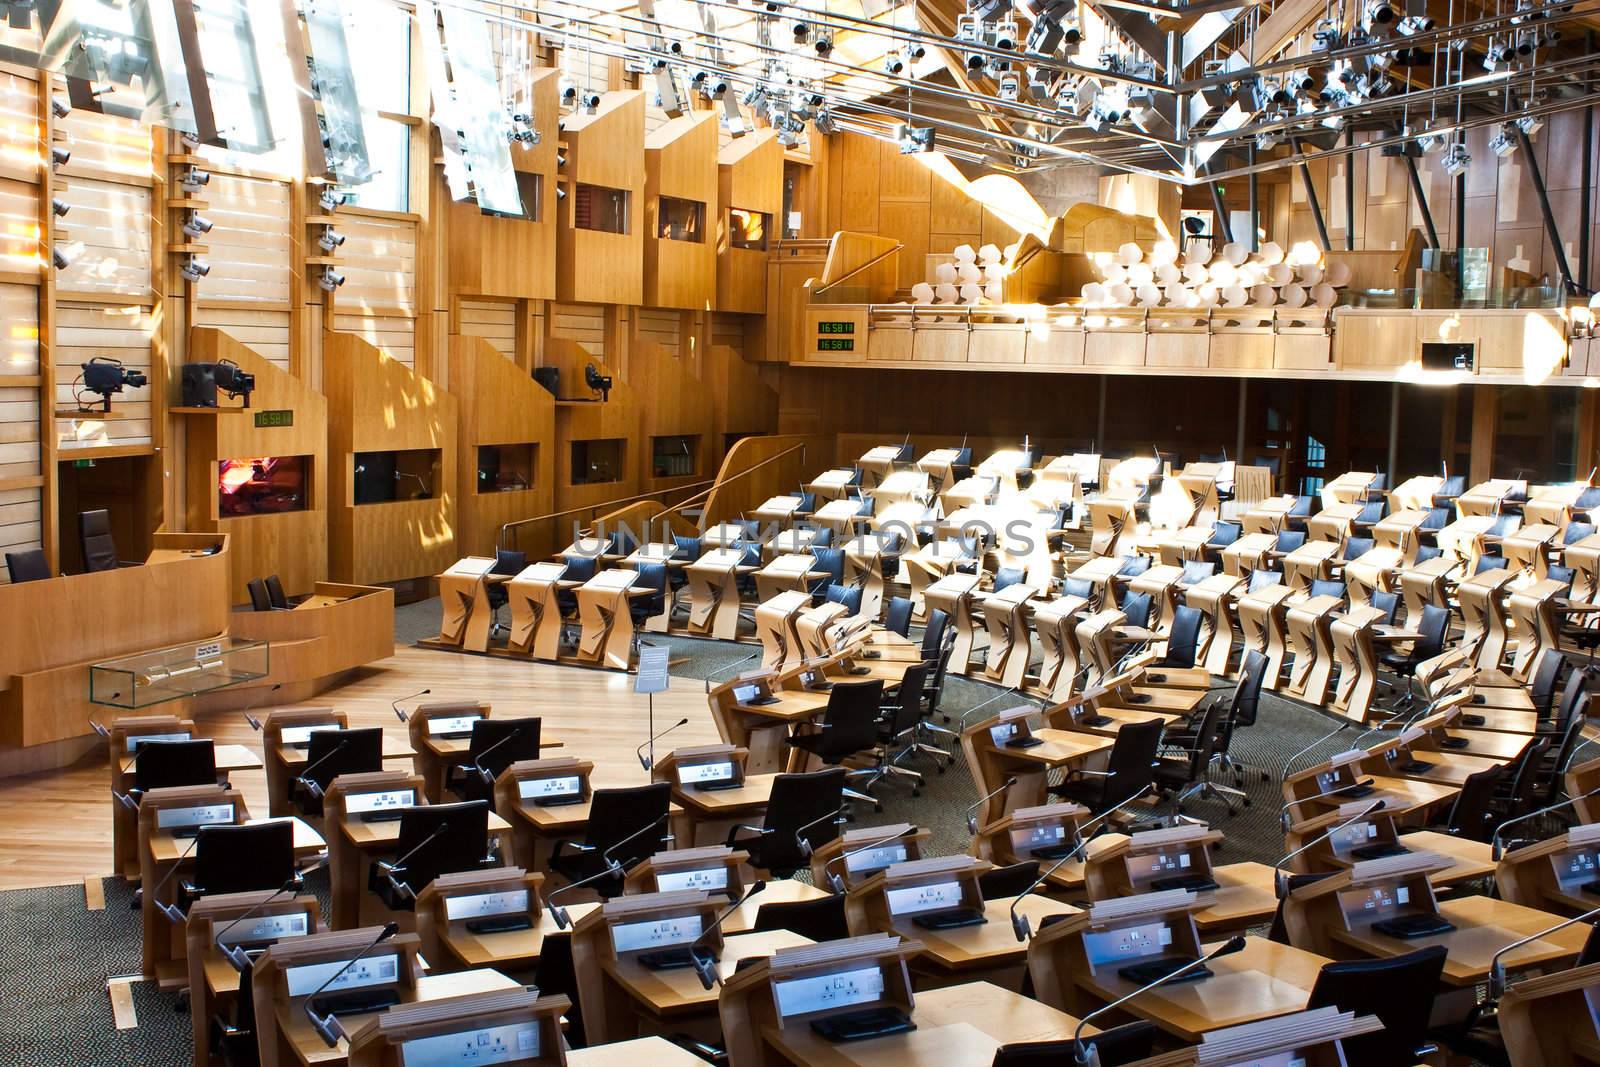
874	261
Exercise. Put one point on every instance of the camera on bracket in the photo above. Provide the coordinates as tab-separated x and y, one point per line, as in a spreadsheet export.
106	377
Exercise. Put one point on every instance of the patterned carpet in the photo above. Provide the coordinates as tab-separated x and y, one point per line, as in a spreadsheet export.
54	1009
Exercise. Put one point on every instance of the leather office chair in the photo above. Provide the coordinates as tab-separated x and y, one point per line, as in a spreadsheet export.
820	919
1471	815
1490	563
240	859
1008	881
1133	566
1195	570
99	547
798	811
1433	625
556	974
1077	587
1327	587
1184	777
849	726
506	563
652	576
1125	1044
27	566
848	595
830	560
579	569
625	826
1130	770
1136	606
275	594
1399	990
163	764
1388	603
260	600
1183	639
897	731
496	744
330	753
897	619
1518	789
233	1035
434	839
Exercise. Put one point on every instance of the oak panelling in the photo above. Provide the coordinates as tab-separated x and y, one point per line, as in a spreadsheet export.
680	160
20	135
20	246
379	262
679	404
292	544
266	330
316	647
495	323
586	419
749	177
742	403
604	149
583	324
510	257
499	403
19	432
375	404
250	246
778	463
123	332
394	335
107	237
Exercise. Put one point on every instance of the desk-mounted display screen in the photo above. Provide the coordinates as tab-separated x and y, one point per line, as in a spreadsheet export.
658	933
1128	943
699	773
913	900
371	971
200	815
1042	835
836	344
710	879
1373	902
262	485
1356	835
479	905
746	693
266	928
473	1048
386	800
803	996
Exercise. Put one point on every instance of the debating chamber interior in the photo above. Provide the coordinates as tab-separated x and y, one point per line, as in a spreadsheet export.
831	533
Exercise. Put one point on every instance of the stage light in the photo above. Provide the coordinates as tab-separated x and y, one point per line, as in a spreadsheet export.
59	156
193	268
330	240
59	107
193	179
1530	124
1456	160
59	206
914	139
329	279
61	260
1502	143
197	225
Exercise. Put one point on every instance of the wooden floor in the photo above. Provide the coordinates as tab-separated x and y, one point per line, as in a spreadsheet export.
57	827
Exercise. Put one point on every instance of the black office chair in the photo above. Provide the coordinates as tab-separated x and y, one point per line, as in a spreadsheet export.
1542	683
897	731
506	563
1224	534
1128	1043
1471	814
496	744
330	753
240	859
1327	587
1182	778
99	547
1518	789
849	726
1433	625
652	576
1130	770
848	595
1400	991
819	919
1356	547
1006	577
625	826
684	550
434	839
1452	486
933	633
27	566
164	764
1183	639
1552	768
275	594
897	618
579	569
233	1035
802	816
556	974
260	600
1011	880
1242	712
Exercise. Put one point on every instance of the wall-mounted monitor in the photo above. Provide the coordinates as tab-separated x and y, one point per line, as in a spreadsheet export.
748	229
262	485
386	477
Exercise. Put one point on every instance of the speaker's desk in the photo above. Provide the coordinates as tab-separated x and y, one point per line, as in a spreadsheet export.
957	1026
316	644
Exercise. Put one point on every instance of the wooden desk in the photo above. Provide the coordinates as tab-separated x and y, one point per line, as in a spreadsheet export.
1311	638
1550	1019
777	620
1310	562
1216	599
953	594
714	594
663	997
991	765
709	814
1348	488
791	573
1055	623
229	758
535	611
1261	622
655	1051
863	568
465	617
1005	615
607	624
989	949
1267	516
1334	523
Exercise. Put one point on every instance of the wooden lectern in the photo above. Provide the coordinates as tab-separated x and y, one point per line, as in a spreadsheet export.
535	612
1055	624
776	621
953	594
1304	1039
1215	598
361	823
1263	626
465	617
489	918
1309	625
1560	875
441	736
1552	1018
544	801
1005	746
714	594
1005	616
1045	833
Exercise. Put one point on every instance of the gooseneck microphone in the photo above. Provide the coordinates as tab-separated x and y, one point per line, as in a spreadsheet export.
1497	969
233	953
1086	1055
972	810
399	712
836	882
388	869
327	1026
727	666
705	964
310	784
645	761
1019	923
1498	848
255	723
1280	881
611	869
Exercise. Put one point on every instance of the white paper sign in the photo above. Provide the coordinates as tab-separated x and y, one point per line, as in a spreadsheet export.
652	676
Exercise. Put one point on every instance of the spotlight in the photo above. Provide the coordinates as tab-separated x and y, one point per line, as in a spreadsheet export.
1430	142
191	141
193	179
107	377
893	64
329	279
61	260
59	206
197	225
1010	86
330	240
59	156
569	92
913	139
59	107
332	199
824	122
1530	124
1502	143
915	51
1456	160
589	100
823	44
194	268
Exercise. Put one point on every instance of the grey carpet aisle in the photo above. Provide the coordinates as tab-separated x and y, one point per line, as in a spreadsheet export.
54	1011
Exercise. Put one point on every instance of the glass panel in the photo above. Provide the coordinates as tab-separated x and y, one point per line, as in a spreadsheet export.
748	229
597	461
455	165
333	88
148	678
681	220
263	485
479	112
233	76
599	208
673	456
506	468
131	46
1536	434
386	477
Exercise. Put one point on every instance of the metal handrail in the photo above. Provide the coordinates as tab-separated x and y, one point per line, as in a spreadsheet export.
710	483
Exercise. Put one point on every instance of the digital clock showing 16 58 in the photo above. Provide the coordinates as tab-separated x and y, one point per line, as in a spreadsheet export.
836	327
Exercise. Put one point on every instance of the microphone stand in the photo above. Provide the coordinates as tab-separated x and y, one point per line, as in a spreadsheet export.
399	713
705	964
173	913
1498	849
649	761
611	869
1279	882
233	953
1497	969
1019	923
477	763
327	1026
725	666
309	784
1086	1055
255	723
1283	812
972	811
389	869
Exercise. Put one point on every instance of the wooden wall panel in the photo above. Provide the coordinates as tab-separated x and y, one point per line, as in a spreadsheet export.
251	248
123	332
266	331
604	149
394	335
680	160
380	264
584	324
660	327
750	178
107	237
494	321
678	404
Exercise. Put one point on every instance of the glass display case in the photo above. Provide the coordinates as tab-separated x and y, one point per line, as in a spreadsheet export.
145	679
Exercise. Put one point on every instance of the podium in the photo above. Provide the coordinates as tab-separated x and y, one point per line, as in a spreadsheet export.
1558	875
606	625
817	629
1550	1019
714	594
1483	617
1374	835
1426	583
953	594
465	617
713	791
489	918
792	573
1055	624
1215	598
1264	629
164	814
1309	624
776	621
1486	497
535	612
441	735
267	918
498	1026
1005	615
360	826
1527	551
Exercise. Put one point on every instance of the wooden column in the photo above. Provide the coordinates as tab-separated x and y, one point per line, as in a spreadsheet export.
1485	414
